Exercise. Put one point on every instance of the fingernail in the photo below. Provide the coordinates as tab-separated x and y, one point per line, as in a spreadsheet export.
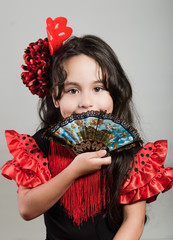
103	152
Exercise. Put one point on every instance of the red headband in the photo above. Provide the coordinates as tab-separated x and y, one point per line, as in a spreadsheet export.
37	56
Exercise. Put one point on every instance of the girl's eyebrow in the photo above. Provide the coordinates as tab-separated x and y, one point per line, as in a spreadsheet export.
71	83
77	84
98	81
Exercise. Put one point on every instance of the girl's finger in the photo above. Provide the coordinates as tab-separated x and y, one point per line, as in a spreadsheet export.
106	160
97	154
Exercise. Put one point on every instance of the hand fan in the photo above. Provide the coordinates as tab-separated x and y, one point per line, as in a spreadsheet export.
92	131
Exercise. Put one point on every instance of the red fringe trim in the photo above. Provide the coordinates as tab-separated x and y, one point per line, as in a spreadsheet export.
87	195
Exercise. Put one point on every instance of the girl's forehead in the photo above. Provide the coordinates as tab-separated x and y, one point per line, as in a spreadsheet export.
79	59
82	65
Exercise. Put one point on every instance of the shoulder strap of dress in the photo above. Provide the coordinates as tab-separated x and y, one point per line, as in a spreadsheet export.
43	143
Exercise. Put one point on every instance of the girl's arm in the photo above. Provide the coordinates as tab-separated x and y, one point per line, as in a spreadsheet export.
133	223
33	202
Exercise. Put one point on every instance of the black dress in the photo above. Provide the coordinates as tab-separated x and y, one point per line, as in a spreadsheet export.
31	167
58	224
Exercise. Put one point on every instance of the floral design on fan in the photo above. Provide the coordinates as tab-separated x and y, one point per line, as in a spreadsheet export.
92	131
37	60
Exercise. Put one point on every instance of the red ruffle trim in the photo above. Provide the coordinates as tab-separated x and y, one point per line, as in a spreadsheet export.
29	167
148	177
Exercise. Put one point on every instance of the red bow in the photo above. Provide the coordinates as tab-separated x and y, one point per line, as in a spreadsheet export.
57	32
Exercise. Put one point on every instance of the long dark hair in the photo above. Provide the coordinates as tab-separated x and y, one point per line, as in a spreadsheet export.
117	84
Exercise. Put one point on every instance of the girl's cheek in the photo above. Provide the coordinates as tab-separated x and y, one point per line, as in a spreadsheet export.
66	108
106	103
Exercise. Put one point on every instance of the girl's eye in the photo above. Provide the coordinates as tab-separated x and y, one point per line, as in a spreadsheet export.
73	91
98	89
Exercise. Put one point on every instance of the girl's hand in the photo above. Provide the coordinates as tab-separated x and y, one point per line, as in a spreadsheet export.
89	162
35	201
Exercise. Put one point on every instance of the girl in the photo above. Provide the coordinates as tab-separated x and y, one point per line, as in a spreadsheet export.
91	195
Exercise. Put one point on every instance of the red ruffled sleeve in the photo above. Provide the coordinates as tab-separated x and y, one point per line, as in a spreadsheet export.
148	177
29	166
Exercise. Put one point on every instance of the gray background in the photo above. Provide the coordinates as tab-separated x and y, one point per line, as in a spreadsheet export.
141	34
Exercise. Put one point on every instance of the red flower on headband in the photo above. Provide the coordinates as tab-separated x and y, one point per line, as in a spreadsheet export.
37	60
37	56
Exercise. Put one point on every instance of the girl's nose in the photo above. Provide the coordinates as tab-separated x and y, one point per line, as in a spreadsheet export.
86	101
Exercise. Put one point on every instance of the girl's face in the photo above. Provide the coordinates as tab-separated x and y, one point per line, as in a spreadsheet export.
83	88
